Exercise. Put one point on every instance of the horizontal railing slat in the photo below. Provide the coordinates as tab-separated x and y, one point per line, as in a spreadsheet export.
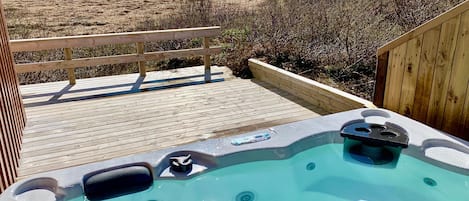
127	58
39	44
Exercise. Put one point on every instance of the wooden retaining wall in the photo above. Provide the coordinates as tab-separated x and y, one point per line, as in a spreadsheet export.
328	98
12	115
424	74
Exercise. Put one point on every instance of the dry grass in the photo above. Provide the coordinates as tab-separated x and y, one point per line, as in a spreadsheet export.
82	17
331	41
35	19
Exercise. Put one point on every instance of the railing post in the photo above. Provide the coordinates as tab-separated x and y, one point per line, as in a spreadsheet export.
141	64
207	64
70	71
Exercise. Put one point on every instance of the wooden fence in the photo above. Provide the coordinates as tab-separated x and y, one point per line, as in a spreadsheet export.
424	74
12	115
325	97
138	38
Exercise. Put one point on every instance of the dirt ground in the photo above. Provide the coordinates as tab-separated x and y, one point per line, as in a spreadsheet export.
48	18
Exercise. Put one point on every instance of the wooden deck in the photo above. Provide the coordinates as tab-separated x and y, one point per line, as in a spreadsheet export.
108	117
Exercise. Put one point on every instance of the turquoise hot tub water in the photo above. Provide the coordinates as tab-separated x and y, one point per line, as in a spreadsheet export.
358	155
321	173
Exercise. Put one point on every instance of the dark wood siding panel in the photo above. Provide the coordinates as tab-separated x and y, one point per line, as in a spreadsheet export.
12	114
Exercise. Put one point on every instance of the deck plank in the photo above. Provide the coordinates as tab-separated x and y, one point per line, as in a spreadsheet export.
108	117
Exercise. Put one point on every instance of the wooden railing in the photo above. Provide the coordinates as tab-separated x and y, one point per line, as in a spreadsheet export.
325	97
424	74
12	115
138	38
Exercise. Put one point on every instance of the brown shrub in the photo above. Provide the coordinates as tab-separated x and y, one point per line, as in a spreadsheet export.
330	41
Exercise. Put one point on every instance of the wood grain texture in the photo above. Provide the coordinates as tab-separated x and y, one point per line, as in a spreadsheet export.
128	58
396	68
38	44
207	63
113	86
8	129
459	80
12	117
441	76
380	77
425	74
70	71
138	38
465	116
141	64
325	97
431	86
70	133
409	80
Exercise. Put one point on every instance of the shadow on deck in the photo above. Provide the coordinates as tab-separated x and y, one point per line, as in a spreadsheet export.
140	84
103	118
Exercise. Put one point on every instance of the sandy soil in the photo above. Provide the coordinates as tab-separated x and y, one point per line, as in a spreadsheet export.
77	17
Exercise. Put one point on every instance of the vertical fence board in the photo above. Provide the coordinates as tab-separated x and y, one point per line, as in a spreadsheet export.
12	116
387	84
443	67
380	77
7	175
394	77
436	93
6	106
8	80
425	74
465	116
459	79
409	79
13	103
4	170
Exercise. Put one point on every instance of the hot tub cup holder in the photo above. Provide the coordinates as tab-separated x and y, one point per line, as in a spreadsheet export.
185	164
181	164
450	153
375	113
374	144
45	187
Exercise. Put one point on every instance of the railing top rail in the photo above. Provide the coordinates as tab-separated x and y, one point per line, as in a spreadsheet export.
38	44
455	11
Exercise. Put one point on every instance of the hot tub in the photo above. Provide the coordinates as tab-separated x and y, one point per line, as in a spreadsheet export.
356	155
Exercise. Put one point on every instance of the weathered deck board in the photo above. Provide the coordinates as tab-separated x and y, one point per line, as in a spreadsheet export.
63	132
